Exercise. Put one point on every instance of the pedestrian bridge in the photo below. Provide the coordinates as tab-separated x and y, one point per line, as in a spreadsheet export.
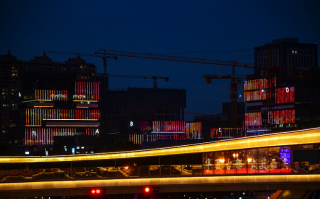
283	160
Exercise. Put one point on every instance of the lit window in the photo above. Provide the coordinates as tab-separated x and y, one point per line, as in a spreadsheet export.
78	147
295	52
92	74
82	147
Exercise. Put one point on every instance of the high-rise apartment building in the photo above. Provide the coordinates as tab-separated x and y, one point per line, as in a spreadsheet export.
12	79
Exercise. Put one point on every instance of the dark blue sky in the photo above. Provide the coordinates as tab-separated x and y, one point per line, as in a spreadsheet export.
30	27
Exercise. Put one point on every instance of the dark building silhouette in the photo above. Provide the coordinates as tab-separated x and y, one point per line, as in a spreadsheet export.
120	108
286	53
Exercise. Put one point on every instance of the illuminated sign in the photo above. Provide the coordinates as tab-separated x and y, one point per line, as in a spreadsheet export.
86	91
194	130
168	127
253	119
34	117
60	95
227	132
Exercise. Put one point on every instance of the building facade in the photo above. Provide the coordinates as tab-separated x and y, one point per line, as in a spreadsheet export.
125	112
67	109
296	96
12	79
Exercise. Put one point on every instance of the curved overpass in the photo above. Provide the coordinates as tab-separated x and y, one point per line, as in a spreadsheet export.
167	184
305	136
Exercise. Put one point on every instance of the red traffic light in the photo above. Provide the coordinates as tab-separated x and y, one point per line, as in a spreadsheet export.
96	191
151	190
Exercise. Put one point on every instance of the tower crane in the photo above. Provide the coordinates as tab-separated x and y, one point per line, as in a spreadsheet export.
234	80
155	84
105	82
104	58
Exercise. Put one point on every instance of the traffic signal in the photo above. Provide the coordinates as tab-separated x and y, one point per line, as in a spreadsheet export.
96	192
150	190
147	190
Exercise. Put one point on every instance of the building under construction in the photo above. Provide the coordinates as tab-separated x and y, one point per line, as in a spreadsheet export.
123	110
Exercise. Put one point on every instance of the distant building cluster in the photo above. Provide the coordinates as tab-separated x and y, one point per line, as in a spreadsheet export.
49	107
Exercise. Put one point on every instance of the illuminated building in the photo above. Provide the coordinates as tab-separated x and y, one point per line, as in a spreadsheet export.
162	131
222	121
218	133
13	80
129	114
57	105
297	102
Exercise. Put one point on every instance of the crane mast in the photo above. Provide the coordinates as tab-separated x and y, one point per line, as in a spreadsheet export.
234	80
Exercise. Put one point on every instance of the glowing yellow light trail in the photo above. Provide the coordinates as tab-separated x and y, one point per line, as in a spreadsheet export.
306	136
80	184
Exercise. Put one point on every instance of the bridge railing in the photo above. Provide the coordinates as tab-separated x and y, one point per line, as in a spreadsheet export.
146	171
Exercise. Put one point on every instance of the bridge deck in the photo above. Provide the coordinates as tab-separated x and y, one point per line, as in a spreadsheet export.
305	136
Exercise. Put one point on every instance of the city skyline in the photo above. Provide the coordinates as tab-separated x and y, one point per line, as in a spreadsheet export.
165	27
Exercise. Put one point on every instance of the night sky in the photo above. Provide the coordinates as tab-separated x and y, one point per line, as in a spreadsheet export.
30	27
